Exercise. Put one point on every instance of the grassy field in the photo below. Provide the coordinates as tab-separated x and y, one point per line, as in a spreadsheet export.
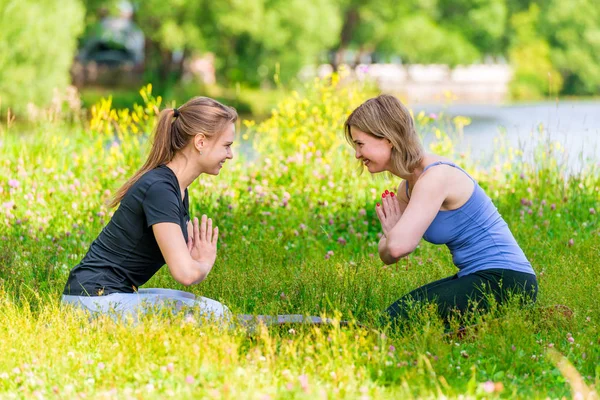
299	235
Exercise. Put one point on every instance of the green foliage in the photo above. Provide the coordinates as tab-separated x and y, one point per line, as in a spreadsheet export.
573	31
37	46
121	98
425	41
247	100
252	40
481	22
535	75
425	32
259	39
553	46
310	121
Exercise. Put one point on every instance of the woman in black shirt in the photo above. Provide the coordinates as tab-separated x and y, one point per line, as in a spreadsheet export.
152	226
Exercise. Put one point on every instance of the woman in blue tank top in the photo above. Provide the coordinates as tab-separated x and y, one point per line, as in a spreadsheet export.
440	202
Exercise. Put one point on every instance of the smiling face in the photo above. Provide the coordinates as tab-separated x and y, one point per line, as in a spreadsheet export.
216	150
383	134
374	152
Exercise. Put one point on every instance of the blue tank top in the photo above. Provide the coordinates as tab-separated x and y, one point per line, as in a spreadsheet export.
476	234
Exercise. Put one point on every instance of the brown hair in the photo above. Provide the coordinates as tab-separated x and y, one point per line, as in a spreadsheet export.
386	117
175	129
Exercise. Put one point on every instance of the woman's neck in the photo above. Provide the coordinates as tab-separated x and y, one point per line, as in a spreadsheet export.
414	175
185	171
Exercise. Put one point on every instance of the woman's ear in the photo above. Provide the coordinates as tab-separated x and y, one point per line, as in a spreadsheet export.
389	143
199	142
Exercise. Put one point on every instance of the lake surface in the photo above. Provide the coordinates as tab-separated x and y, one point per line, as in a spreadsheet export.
576	125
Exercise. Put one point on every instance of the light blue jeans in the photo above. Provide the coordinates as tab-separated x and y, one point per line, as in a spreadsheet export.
131	305
147	300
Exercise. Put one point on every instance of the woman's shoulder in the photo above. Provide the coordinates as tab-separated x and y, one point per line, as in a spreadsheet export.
155	180
158	174
450	178
433	159
442	167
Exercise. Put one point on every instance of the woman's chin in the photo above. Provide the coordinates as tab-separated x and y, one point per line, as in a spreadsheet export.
373	169
215	171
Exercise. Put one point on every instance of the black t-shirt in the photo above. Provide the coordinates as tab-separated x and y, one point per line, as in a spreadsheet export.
125	255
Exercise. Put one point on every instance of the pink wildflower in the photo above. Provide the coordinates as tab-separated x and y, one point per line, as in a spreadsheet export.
489	387
303	382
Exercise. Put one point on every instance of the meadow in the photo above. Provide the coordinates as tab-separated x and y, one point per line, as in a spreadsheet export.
298	235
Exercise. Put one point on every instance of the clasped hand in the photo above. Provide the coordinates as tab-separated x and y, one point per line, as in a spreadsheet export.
388	211
202	245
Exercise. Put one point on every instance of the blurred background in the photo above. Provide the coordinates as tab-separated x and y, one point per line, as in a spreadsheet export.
504	63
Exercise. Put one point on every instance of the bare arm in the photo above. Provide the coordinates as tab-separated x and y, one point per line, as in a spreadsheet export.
188	263
428	195
384	253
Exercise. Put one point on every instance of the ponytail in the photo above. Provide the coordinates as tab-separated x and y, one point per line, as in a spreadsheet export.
161	153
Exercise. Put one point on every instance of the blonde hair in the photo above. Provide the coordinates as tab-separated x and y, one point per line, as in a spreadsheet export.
175	129
386	117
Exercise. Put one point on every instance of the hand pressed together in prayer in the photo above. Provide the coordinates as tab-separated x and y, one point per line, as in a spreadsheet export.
388	211
202	245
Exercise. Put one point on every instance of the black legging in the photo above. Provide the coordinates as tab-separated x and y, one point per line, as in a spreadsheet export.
454	293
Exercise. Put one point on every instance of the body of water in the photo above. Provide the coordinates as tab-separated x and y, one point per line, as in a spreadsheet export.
576	125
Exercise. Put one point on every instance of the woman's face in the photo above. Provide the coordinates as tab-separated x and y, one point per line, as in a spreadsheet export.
375	153
217	150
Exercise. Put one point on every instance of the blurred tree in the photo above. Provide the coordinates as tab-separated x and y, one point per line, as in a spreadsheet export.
534	74
37	47
428	31
252	37
481	22
247	37
420	39
572	30
171	28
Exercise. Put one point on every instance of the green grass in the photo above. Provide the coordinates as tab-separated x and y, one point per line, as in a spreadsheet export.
279	216
251	103
121	98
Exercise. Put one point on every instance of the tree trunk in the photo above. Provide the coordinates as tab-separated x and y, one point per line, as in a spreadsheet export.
351	20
